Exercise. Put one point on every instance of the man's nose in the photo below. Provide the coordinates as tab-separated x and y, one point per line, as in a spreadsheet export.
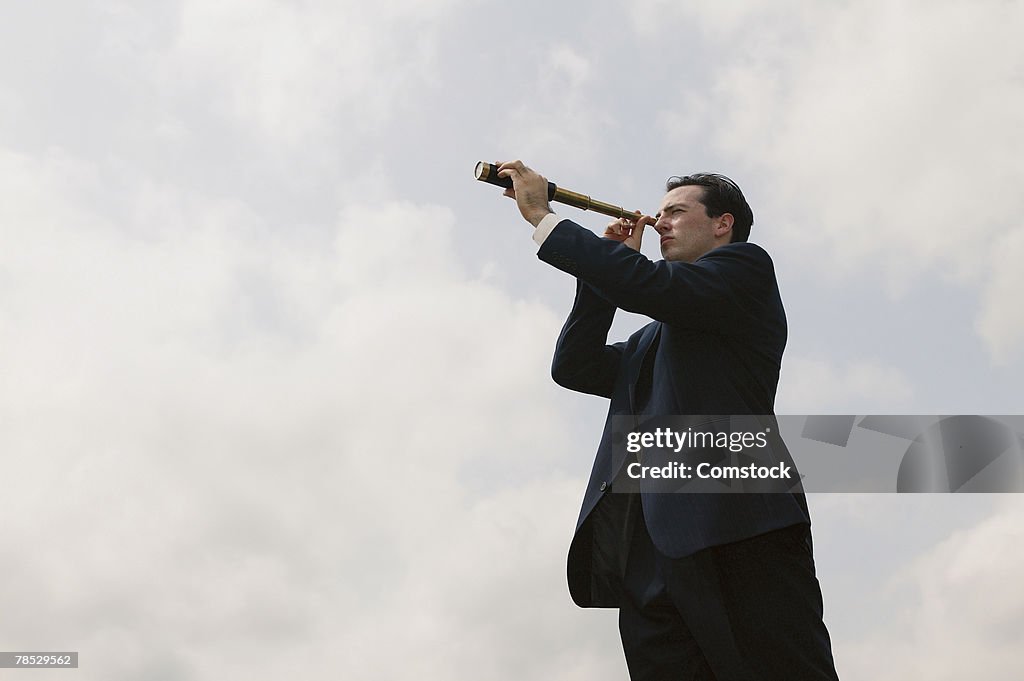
661	225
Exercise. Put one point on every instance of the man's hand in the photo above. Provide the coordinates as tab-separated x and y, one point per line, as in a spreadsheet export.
529	189
629	232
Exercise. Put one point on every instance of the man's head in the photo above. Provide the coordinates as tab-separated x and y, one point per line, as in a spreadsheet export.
701	212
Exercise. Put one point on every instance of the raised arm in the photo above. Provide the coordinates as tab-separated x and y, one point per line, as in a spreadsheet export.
583	360
721	292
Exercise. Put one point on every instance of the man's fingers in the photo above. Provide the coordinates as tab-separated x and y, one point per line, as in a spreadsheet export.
644	220
619	229
637	218
508	168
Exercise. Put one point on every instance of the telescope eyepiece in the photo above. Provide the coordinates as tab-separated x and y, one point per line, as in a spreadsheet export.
488	172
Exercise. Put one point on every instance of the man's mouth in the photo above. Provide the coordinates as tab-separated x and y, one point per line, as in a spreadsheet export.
664	239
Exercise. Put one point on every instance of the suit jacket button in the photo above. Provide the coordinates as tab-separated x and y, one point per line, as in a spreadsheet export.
604	486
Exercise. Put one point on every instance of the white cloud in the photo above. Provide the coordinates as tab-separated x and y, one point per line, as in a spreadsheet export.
1001	323
820	386
561	119
963	613
231	440
299	72
720	20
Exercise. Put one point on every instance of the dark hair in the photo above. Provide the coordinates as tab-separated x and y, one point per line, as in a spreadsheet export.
721	195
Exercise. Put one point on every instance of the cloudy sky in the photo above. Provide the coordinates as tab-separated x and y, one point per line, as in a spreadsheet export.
274	399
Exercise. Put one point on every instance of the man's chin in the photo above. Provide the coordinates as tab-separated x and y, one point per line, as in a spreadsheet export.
672	255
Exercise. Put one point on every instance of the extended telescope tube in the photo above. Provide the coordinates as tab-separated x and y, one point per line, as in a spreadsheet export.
488	172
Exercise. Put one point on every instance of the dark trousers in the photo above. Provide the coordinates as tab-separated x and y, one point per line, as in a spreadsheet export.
747	610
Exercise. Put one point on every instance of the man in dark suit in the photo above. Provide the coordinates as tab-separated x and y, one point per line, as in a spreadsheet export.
708	586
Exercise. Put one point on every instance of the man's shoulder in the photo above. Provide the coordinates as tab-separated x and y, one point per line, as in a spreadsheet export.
739	249
741	259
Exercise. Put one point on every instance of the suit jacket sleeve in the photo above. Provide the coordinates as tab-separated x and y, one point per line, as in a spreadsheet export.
583	361
723	291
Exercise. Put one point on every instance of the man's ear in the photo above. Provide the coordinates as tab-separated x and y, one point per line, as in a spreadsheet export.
724	225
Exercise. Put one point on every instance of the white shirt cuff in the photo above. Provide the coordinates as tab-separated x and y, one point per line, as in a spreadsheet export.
545	227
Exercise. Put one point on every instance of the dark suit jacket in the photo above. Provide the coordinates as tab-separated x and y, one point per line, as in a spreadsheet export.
718	338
